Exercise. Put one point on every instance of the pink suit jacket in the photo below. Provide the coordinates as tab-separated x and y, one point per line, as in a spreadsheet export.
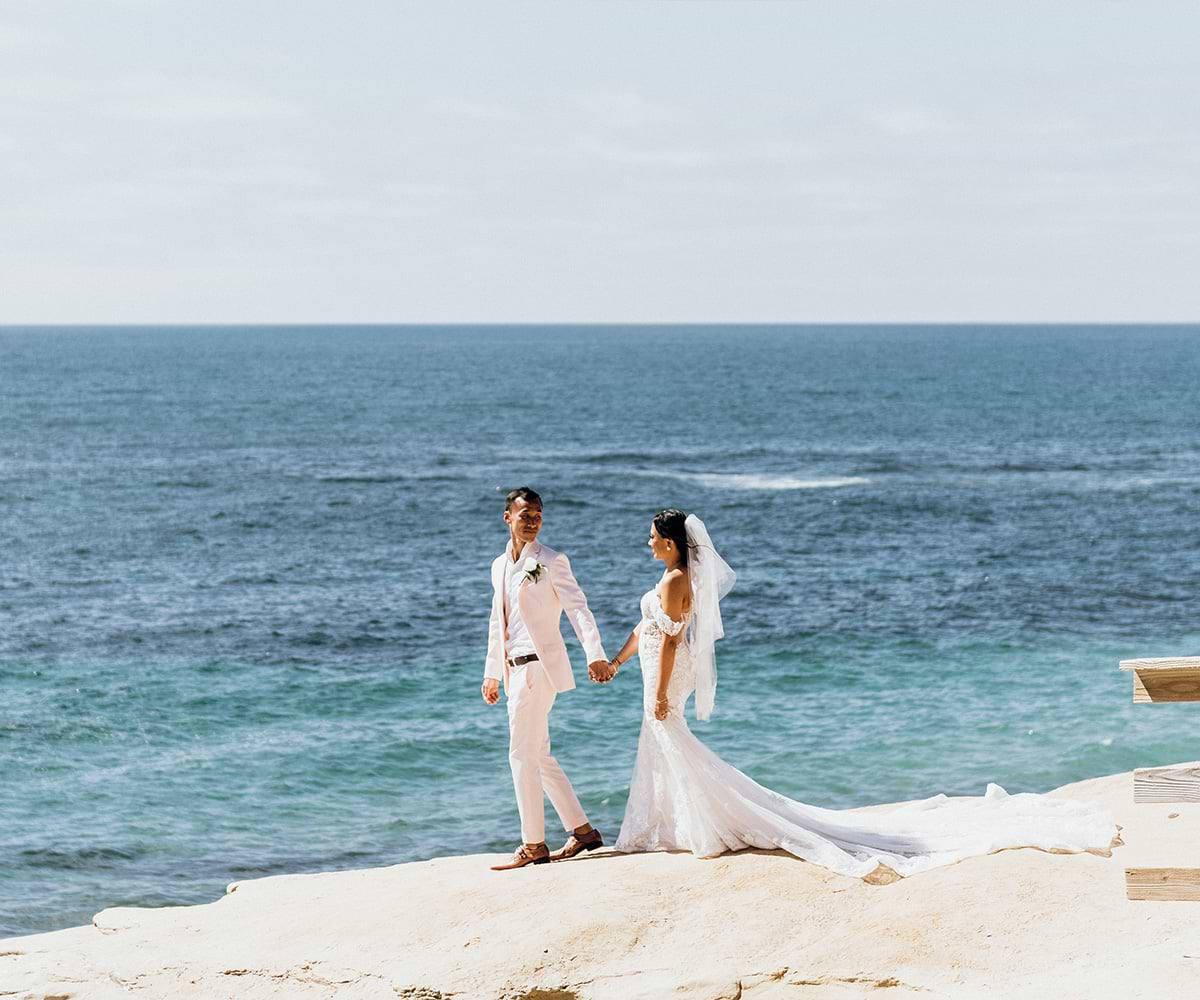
542	605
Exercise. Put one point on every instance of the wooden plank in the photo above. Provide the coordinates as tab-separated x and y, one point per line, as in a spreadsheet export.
1182	884
1180	783
1163	663
1157	685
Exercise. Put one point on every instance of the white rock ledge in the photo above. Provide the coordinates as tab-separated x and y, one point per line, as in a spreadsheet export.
755	925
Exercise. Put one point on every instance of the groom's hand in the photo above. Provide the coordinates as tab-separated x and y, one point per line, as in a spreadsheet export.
599	671
490	690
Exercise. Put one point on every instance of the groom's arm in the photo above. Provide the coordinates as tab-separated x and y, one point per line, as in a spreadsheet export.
493	664
574	603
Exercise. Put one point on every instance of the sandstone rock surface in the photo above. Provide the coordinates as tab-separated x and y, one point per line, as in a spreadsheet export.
756	925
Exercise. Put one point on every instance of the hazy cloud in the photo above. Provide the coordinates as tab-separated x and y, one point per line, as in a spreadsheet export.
627	155
913	120
13	38
165	99
686	161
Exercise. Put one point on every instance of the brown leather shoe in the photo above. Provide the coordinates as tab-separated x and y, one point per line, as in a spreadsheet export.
577	843
526	854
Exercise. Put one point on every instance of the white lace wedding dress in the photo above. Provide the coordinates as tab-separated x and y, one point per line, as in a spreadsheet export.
684	797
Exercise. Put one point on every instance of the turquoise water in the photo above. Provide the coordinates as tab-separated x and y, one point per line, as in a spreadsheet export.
244	589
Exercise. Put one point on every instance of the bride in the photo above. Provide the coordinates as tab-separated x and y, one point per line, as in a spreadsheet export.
684	797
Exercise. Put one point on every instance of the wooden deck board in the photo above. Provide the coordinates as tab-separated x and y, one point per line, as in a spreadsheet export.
1175	884
1159	685
1178	783
1162	663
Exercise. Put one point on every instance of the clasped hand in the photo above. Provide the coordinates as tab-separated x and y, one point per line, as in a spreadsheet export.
602	671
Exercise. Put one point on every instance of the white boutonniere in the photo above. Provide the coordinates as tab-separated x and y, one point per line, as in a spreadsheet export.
532	569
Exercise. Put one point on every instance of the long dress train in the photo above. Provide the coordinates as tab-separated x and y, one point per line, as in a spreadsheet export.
684	797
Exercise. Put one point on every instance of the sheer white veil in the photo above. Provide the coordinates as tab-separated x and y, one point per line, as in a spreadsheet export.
711	579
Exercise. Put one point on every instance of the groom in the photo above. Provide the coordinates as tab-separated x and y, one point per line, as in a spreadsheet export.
531	587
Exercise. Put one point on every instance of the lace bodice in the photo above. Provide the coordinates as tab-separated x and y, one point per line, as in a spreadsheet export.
656	624
654	616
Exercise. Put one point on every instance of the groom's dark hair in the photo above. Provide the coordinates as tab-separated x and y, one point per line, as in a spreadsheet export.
522	493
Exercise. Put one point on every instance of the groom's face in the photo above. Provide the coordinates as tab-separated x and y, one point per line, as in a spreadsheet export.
524	520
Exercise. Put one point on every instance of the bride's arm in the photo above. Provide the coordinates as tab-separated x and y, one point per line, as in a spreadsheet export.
674	592
626	653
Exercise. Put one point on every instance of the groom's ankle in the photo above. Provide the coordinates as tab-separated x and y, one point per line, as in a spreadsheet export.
581	831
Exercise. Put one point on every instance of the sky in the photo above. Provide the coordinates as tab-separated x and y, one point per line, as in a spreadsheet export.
617	161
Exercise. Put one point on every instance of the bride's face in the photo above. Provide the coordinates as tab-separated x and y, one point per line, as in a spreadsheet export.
658	545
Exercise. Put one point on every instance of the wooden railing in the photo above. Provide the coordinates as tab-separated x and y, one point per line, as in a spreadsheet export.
1170	679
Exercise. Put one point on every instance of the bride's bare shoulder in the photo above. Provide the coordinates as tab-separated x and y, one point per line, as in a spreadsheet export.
675	587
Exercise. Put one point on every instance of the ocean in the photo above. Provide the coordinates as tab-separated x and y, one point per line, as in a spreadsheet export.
244	575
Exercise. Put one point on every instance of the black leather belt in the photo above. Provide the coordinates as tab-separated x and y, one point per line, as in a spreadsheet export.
518	661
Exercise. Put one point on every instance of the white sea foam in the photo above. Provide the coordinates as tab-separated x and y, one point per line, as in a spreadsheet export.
753	481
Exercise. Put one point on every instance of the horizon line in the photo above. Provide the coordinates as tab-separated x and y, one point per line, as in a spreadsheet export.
587	324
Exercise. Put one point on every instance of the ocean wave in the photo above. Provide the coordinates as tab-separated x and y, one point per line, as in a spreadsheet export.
758	481
1038	467
626	456
83	582
373	478
364	477
1147	483
83	858
603	457
888	465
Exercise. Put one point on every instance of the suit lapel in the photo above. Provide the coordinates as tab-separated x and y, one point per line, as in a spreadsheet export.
501	586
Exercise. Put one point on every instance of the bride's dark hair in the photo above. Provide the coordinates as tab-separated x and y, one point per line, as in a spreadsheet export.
670	524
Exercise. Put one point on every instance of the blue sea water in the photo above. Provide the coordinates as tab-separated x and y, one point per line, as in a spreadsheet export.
244	575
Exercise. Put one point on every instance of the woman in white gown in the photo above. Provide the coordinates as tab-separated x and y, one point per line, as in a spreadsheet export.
684	797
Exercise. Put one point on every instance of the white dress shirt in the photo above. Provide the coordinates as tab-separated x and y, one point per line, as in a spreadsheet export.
519	642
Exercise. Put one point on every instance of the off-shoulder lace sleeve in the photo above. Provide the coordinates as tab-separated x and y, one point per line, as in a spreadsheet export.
666	624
